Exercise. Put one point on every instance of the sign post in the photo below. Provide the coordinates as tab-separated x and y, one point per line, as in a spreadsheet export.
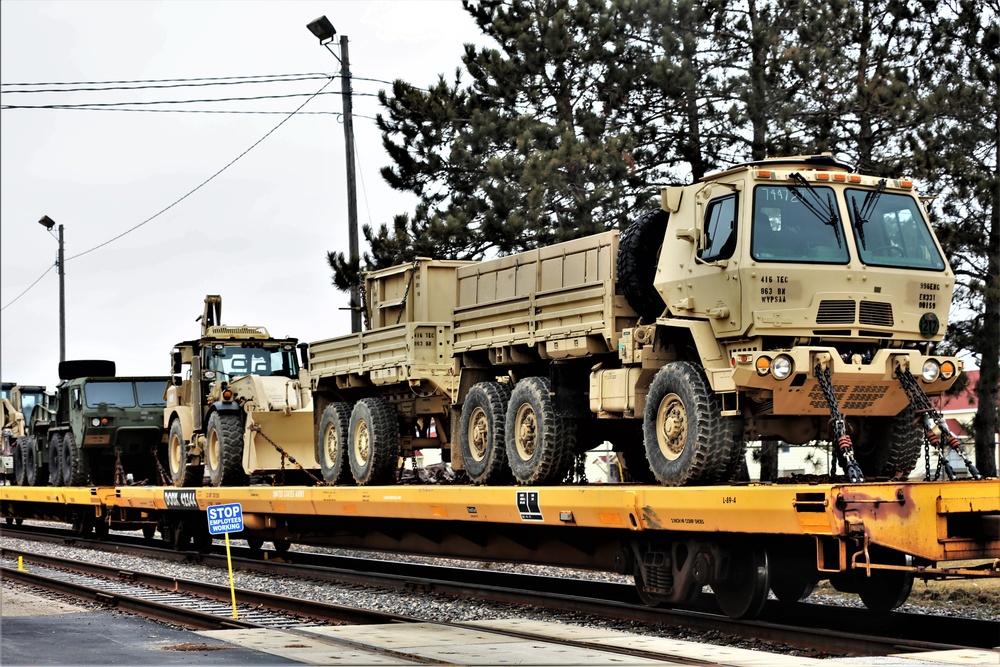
225	519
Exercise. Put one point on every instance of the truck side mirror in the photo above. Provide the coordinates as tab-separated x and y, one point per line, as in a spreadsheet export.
175	358
304	355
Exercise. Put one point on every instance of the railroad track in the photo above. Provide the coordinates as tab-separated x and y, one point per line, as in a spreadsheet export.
203	606
822	629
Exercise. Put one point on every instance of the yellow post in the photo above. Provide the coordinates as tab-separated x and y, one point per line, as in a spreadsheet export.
232	586
20	563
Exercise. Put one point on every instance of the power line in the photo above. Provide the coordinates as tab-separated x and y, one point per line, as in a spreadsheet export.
229	111
28	289
226	80
221	99
160	87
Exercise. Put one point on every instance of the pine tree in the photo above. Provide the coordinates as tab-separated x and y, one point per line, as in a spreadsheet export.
957	148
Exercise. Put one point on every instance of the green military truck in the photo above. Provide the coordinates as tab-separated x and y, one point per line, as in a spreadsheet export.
99	429
788	299
238	406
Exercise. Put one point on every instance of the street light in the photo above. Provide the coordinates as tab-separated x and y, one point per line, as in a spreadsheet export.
49	223
325	32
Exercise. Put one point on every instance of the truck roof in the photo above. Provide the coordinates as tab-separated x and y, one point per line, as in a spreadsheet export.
805	162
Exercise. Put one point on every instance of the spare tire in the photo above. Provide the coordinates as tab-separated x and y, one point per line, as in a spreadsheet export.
638	253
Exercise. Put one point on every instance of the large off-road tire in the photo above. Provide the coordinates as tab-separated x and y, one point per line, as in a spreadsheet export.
481	435
889	446
181	474
224	450
55	460
17	452
374	442
540	442
638	253
736	467
332	443
687	439
35	472
75	470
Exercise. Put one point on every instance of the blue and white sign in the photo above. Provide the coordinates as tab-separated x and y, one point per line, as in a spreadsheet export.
225	518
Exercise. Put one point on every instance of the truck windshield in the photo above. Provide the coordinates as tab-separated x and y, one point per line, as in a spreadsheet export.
892	231
786	228
116	394
269	360
150	393
29	401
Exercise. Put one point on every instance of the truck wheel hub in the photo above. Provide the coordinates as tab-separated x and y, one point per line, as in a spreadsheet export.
671	426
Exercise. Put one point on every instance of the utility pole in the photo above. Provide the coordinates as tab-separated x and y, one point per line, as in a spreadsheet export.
325	32
49	223
352	188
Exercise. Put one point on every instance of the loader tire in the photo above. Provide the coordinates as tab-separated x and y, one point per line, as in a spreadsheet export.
74	461
687	440
181	474
20	471
541	442
481	436
332	443
55	460
224	450
374	442
638	254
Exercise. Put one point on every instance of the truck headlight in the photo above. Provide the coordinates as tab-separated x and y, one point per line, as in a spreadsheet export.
782	367
931	371
95	422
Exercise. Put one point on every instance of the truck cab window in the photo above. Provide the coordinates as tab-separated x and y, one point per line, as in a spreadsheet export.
720	230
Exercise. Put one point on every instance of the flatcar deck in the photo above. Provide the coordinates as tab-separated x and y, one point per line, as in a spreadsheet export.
937	521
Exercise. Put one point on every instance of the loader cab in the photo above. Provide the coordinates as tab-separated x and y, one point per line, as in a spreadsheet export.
231	360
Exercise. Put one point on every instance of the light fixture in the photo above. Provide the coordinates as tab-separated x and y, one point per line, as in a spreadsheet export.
323	29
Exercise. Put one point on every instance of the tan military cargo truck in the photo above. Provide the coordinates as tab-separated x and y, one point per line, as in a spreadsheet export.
238	406
789	299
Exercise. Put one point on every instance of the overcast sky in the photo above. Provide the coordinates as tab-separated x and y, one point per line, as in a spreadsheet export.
257	234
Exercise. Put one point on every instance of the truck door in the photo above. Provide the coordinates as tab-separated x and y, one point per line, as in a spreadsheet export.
713	283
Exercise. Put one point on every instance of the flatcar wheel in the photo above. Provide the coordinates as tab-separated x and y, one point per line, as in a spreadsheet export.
281	547
82	524
790	586
149	531
886	590
254	543
743	593
647	598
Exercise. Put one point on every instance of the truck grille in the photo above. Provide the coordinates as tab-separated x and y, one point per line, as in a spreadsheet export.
836	311
875	313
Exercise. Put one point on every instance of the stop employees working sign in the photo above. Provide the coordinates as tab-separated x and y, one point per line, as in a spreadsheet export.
225	518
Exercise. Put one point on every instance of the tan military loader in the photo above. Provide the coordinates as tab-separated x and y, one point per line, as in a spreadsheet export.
790	299
238	406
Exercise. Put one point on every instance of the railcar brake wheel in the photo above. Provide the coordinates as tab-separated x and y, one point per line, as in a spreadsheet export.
482	433
743	593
